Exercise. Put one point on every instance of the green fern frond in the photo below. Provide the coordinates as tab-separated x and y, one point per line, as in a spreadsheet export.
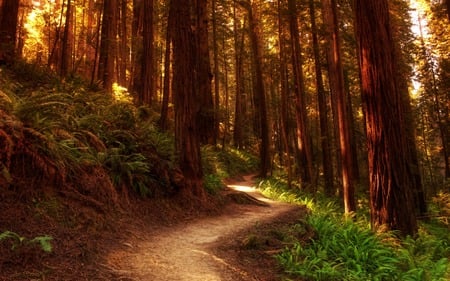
44	242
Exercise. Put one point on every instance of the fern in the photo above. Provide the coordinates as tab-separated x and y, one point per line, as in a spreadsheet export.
18	241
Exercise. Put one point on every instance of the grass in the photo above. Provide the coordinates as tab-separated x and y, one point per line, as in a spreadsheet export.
345	248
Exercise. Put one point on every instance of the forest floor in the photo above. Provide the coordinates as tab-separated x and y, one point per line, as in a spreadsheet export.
237	242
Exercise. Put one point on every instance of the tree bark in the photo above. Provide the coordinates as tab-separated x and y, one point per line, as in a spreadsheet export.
162	122
66	49
325	137
108	44
205	119
8	31
390	175
303	143
260	95
284	116
336	77
186	85
146	93
238	135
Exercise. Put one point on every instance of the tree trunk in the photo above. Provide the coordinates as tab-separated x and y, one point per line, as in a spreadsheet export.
186	85
108	44
216	72
336	77
284	116
260	95
238	135
390	175
205	119
145	94
66	49
325	136
123	54
136	47
8	31
167	66
303	136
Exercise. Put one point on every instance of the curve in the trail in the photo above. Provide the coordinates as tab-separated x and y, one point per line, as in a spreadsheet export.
183	252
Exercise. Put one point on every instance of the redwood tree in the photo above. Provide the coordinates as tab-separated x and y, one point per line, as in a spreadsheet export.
336	76
325	137
304	151
145	93
259	91
391	177
186	85
108	44
200	31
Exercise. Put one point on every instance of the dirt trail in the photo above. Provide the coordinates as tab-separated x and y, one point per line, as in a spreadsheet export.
186	251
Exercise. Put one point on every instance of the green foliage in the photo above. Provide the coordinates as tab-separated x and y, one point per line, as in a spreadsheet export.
127	169
341	251
227	162
65	130
18	241
212	183
344	248
222	163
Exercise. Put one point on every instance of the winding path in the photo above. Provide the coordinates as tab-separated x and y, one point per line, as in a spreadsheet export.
184	252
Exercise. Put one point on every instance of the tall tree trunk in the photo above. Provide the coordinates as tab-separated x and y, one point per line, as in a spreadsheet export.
391	183
123	53
216	72
238	135
404	74
284	94
336	77
167	67
205	120
145	94
108	44
186	85
136	47
8	30
66	49
260	95
303	136
325	137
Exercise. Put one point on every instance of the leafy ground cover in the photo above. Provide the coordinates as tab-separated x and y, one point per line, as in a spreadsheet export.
346	249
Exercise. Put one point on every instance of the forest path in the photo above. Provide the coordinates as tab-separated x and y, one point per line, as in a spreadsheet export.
187	251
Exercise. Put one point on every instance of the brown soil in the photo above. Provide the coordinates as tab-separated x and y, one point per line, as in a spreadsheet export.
166	242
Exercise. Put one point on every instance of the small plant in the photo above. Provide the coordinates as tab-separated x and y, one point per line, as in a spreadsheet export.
18	241
212	183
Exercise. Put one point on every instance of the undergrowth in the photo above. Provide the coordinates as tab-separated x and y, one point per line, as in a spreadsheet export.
344	248
56	132
220	163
